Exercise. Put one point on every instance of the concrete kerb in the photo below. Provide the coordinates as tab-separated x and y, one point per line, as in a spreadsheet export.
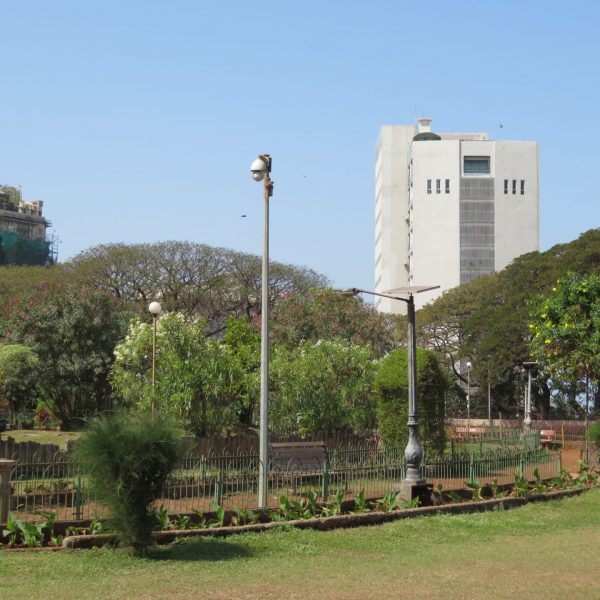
329	523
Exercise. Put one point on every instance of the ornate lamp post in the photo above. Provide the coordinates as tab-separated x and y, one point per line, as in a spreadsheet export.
469	366
413	453
154	308
261	169
529	365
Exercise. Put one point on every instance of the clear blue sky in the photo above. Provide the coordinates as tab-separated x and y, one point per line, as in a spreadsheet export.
137	121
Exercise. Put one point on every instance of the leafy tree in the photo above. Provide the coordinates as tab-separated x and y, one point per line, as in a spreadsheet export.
327	315
196	279
391	385
19	374
486	321
243	342
566	328
128	458
321	387
73	330
198	379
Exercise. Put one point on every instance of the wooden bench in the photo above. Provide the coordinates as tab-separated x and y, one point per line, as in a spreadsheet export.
298	457
548	439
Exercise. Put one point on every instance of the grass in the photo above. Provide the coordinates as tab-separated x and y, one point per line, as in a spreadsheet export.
546	551
60	438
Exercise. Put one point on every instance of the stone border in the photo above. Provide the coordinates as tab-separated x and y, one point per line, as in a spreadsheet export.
328	523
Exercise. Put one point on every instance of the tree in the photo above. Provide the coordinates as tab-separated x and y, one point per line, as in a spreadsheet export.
19	374
566	329
127	458
196	279
198	380
322	387
325	314
73	330
486	321
391	386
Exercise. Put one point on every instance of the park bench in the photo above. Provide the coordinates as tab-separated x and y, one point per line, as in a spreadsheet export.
298	457
461	433
295	463
548	439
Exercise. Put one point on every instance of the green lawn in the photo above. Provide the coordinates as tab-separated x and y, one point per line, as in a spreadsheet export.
547	551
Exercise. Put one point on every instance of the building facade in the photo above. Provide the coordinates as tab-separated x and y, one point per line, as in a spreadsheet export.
450	207
23	230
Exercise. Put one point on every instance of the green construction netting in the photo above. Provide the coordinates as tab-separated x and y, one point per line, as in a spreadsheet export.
15	250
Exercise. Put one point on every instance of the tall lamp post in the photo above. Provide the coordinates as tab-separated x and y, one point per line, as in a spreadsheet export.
154	308
413	453
529	365
469	366
261	169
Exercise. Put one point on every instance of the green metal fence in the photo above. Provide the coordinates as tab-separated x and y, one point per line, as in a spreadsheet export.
231	480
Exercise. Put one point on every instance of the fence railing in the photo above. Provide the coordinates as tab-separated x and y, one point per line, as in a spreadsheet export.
232	481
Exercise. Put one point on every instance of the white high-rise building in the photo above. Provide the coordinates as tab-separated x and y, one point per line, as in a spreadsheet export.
450	207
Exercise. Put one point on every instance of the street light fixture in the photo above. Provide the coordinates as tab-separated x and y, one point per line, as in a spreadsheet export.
529	365
413	453
469	365
261	169
154	308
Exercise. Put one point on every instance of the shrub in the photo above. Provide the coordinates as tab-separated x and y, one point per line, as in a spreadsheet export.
391	385
128	459
594	434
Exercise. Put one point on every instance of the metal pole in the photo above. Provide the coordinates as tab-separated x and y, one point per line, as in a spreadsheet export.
413	452
527	421
489	405
263	467
153	361
468	402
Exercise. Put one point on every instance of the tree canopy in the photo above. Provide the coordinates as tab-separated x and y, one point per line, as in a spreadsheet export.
487	321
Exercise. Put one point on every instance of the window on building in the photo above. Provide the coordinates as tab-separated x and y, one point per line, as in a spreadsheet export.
429	186
476	165
514	186
438	187
447	186
522	187
506	186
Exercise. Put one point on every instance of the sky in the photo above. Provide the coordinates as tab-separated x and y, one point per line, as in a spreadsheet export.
138	121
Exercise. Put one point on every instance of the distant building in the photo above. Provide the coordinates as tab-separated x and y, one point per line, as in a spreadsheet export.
450	207
23	230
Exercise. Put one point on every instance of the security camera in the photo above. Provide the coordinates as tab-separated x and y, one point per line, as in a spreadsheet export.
260	167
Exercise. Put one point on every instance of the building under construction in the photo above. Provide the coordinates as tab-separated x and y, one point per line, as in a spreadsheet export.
23	238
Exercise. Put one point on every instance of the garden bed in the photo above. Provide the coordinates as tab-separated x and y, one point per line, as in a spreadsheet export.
332	522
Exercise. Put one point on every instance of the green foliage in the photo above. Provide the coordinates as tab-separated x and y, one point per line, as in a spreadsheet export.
487	321
19	374
360	502
220	514
335	507
198	379
475	487
388	503
73	331
391	384
328	315
128	459
521	487
321	387
195	279
594	434
244	517
161	517
243	342
12	531
566	328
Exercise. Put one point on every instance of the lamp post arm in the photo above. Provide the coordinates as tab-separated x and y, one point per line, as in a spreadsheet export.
356	291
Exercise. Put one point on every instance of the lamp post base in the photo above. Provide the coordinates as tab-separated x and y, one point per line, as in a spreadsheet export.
409	490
